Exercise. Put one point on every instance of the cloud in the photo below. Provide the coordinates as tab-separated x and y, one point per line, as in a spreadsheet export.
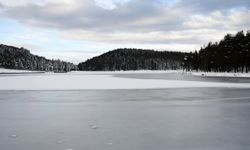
237	19
192	22
14	3
88	15
166	37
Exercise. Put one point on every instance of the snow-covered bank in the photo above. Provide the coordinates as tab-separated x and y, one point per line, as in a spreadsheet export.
220	74
208	74
81	80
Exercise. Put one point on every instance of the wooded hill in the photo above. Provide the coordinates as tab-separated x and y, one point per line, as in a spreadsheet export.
231	54
20	58
134	59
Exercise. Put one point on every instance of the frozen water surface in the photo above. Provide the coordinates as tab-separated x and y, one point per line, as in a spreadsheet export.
116	80
195	118
204	118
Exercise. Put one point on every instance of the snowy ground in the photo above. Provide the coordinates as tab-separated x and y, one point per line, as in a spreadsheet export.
99	80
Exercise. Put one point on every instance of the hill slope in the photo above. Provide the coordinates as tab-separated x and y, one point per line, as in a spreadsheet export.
134	59
20	58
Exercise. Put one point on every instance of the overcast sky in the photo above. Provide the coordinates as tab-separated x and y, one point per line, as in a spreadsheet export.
75	30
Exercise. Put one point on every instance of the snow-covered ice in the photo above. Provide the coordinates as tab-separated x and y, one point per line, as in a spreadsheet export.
98	80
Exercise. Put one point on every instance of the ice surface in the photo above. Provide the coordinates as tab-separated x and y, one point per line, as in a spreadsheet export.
94	127
98	80
150	119
13	136
110	144
59	142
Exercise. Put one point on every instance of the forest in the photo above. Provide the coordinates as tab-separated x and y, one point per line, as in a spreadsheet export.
231	54
20	58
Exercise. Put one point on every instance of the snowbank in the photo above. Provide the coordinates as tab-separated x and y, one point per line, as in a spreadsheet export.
82	80
219	74
13	71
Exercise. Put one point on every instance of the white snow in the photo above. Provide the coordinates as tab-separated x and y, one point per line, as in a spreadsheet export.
83	80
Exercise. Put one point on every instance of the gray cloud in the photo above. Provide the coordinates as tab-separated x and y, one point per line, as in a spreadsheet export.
207	6
142	21
140	15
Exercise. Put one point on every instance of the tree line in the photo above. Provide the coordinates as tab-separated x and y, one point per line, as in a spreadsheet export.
231	54
20	58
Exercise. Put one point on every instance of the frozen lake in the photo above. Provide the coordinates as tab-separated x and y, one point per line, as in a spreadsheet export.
203	118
